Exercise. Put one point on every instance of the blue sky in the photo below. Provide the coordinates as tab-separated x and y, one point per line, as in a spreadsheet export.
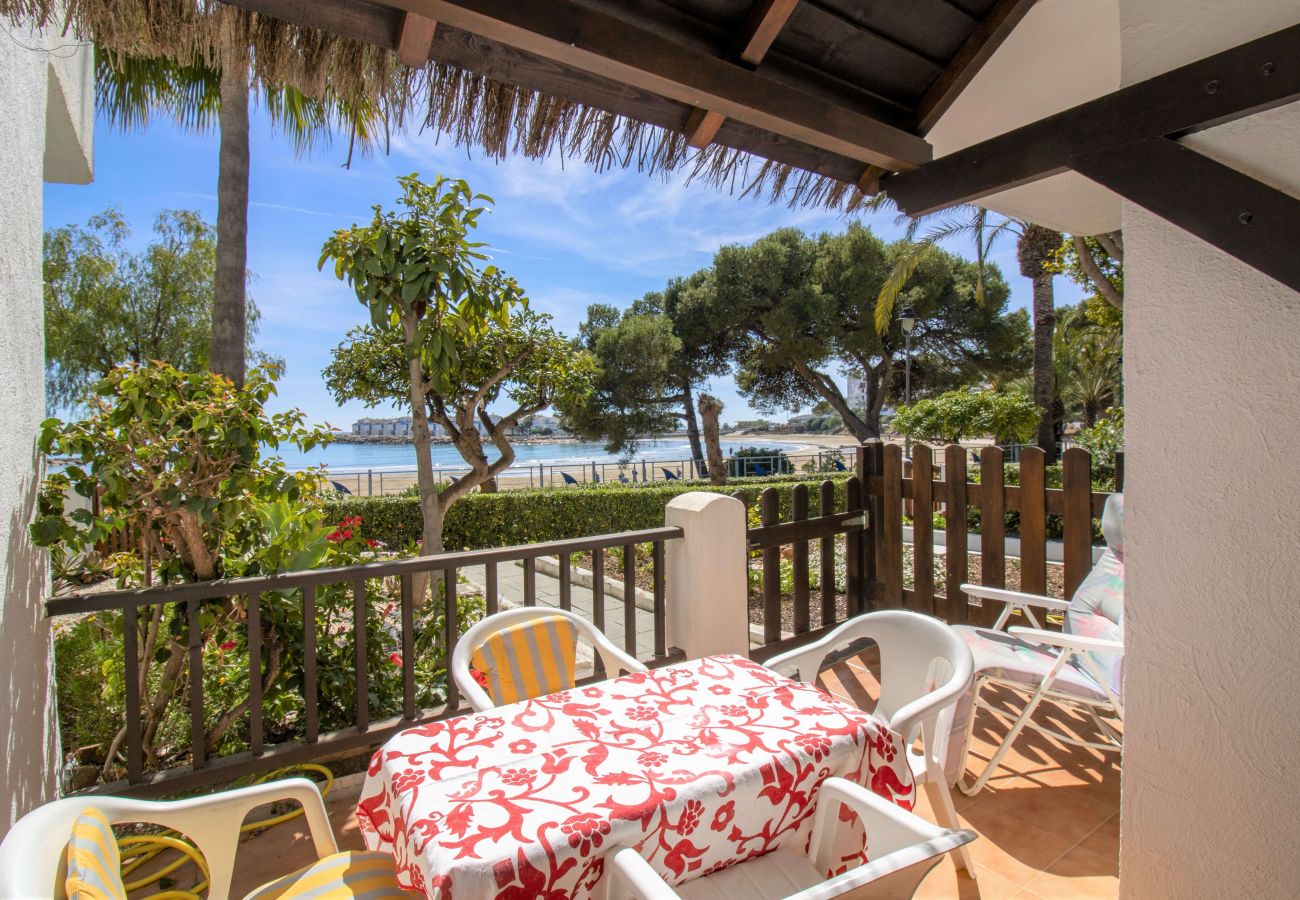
570	235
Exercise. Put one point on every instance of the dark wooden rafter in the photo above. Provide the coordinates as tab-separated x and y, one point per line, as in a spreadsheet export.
1253	77
1246	218
765	22
1127	141
995	27
563	32
415	39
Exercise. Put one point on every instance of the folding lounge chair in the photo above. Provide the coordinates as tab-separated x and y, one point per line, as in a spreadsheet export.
568	479
1079	668
668	474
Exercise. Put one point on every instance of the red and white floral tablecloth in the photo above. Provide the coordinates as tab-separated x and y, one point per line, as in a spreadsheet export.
698	765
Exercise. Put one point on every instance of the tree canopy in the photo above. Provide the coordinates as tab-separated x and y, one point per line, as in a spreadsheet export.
524	363
957	415
799	311
652	358
422	280
107	306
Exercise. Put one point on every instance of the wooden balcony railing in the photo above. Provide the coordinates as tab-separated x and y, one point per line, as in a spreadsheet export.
300	591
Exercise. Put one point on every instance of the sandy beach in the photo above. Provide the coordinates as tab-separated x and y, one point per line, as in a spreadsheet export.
807	448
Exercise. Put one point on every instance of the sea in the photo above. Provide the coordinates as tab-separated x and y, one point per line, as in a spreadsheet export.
398	457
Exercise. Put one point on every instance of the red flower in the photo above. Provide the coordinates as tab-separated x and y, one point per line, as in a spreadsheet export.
651	759
722	818
586	831
518	777
227	645
719	689
372	543
690	819
642	713
480	677
395	658
818	746
522	746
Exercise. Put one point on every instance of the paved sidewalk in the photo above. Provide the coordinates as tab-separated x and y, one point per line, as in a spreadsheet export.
510	594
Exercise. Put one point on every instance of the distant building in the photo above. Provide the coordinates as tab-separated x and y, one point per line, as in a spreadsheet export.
856	392
399	427
803	421
754	425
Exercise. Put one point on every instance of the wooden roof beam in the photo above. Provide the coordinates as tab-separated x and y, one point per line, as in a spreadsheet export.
415	39
567	33
1255	76
765	22
994	28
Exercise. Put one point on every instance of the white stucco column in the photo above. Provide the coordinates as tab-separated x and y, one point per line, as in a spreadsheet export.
707	598
46	107
1211	768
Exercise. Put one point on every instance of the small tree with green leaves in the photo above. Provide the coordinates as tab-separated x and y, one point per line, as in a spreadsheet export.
175	461
418	273
523	362
957	415
1104	439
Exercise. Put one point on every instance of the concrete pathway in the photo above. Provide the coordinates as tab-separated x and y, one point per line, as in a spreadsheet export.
510	594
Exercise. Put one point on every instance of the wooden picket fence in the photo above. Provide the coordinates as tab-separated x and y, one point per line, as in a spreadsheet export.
890	491
887	489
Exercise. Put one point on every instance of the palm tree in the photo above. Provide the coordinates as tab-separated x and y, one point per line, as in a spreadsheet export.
1087	362
1035	247
200	96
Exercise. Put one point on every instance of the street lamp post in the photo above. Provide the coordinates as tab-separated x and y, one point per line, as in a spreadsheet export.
907	318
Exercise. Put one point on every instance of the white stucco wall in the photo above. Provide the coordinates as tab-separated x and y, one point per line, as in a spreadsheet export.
1211	780
1063	53
29	66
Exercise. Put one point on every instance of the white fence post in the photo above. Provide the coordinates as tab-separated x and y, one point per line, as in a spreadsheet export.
707	596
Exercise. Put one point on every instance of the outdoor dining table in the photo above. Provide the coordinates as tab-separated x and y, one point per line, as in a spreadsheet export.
697	765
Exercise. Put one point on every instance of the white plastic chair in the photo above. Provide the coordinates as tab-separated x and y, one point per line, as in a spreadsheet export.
614	659
896	840
33	860
1079	668
925	668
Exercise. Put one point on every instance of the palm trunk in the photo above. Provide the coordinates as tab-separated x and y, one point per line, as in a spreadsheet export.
229	308
693	432
1044	326
1033	250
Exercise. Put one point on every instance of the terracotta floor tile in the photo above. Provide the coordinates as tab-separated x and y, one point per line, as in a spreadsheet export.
1079	874
1012	847
946	883
1104	840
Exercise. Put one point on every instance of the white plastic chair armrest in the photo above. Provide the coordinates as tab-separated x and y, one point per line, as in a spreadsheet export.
889	827
630	876
1016	598
888	864
1077	642
213	821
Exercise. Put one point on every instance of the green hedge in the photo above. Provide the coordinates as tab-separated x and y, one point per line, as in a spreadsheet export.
532	516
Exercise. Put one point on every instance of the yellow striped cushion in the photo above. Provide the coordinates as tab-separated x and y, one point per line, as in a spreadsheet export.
361	874
528	660
94	861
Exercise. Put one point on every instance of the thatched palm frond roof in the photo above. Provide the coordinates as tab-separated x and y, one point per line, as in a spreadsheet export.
474	111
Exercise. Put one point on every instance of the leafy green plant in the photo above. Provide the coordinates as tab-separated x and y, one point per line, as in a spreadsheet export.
419	275
957	415
761	461
1104	439
548	514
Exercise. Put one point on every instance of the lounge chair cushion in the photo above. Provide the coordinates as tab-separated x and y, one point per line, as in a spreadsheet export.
94	860
527	660
367	874
1097	607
